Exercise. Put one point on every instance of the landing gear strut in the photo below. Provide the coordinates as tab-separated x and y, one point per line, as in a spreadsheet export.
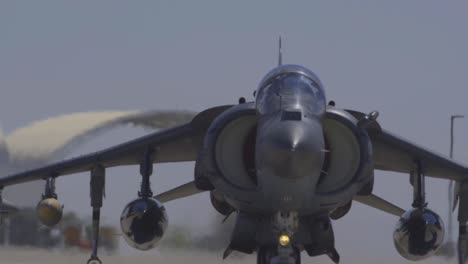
284	252
97	194
462	222
270	255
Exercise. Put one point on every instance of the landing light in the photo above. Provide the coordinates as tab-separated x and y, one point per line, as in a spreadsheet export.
284	240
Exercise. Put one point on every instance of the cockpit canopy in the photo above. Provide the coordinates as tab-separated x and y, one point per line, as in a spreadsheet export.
291	88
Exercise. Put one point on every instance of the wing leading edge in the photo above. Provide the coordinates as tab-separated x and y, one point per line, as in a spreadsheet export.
177	144
393	153
34	145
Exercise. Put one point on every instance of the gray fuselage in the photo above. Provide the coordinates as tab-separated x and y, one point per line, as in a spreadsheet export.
286	151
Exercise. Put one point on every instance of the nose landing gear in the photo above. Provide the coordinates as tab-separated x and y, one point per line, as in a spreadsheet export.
272	255
284	252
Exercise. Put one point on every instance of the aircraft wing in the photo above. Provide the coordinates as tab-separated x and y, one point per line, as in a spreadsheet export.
180	143
394	153
378	203
48	140
179	192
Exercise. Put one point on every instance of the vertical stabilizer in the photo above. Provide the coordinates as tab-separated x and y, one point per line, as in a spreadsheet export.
2	138
280	53
3	148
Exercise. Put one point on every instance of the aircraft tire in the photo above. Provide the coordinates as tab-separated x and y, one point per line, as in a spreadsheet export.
266	253
94	261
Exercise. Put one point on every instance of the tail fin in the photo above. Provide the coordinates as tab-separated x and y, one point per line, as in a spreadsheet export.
3	148
2	137
280	53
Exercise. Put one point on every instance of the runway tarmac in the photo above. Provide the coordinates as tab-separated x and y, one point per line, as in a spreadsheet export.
34	256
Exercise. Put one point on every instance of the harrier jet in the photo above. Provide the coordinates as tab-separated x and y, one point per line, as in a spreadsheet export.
286	163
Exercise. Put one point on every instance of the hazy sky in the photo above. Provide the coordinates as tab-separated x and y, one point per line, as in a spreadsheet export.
406	59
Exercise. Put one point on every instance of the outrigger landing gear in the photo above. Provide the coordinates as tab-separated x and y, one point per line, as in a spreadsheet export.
96	260
462	222
284	252
97	194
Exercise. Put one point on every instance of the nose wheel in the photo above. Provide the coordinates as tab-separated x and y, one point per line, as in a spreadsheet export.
269	255
264	255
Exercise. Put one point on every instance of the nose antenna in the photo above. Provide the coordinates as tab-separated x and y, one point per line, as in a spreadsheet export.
280	52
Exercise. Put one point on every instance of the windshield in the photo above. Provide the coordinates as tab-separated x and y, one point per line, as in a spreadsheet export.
291	91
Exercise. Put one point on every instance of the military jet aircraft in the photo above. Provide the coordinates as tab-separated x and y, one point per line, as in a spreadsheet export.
286	163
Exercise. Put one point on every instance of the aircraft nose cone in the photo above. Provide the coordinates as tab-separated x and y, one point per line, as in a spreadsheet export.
292	150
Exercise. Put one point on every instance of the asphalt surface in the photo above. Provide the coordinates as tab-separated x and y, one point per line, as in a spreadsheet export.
34	256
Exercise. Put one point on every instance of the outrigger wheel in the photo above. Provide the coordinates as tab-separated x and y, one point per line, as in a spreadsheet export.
94	261
269	255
